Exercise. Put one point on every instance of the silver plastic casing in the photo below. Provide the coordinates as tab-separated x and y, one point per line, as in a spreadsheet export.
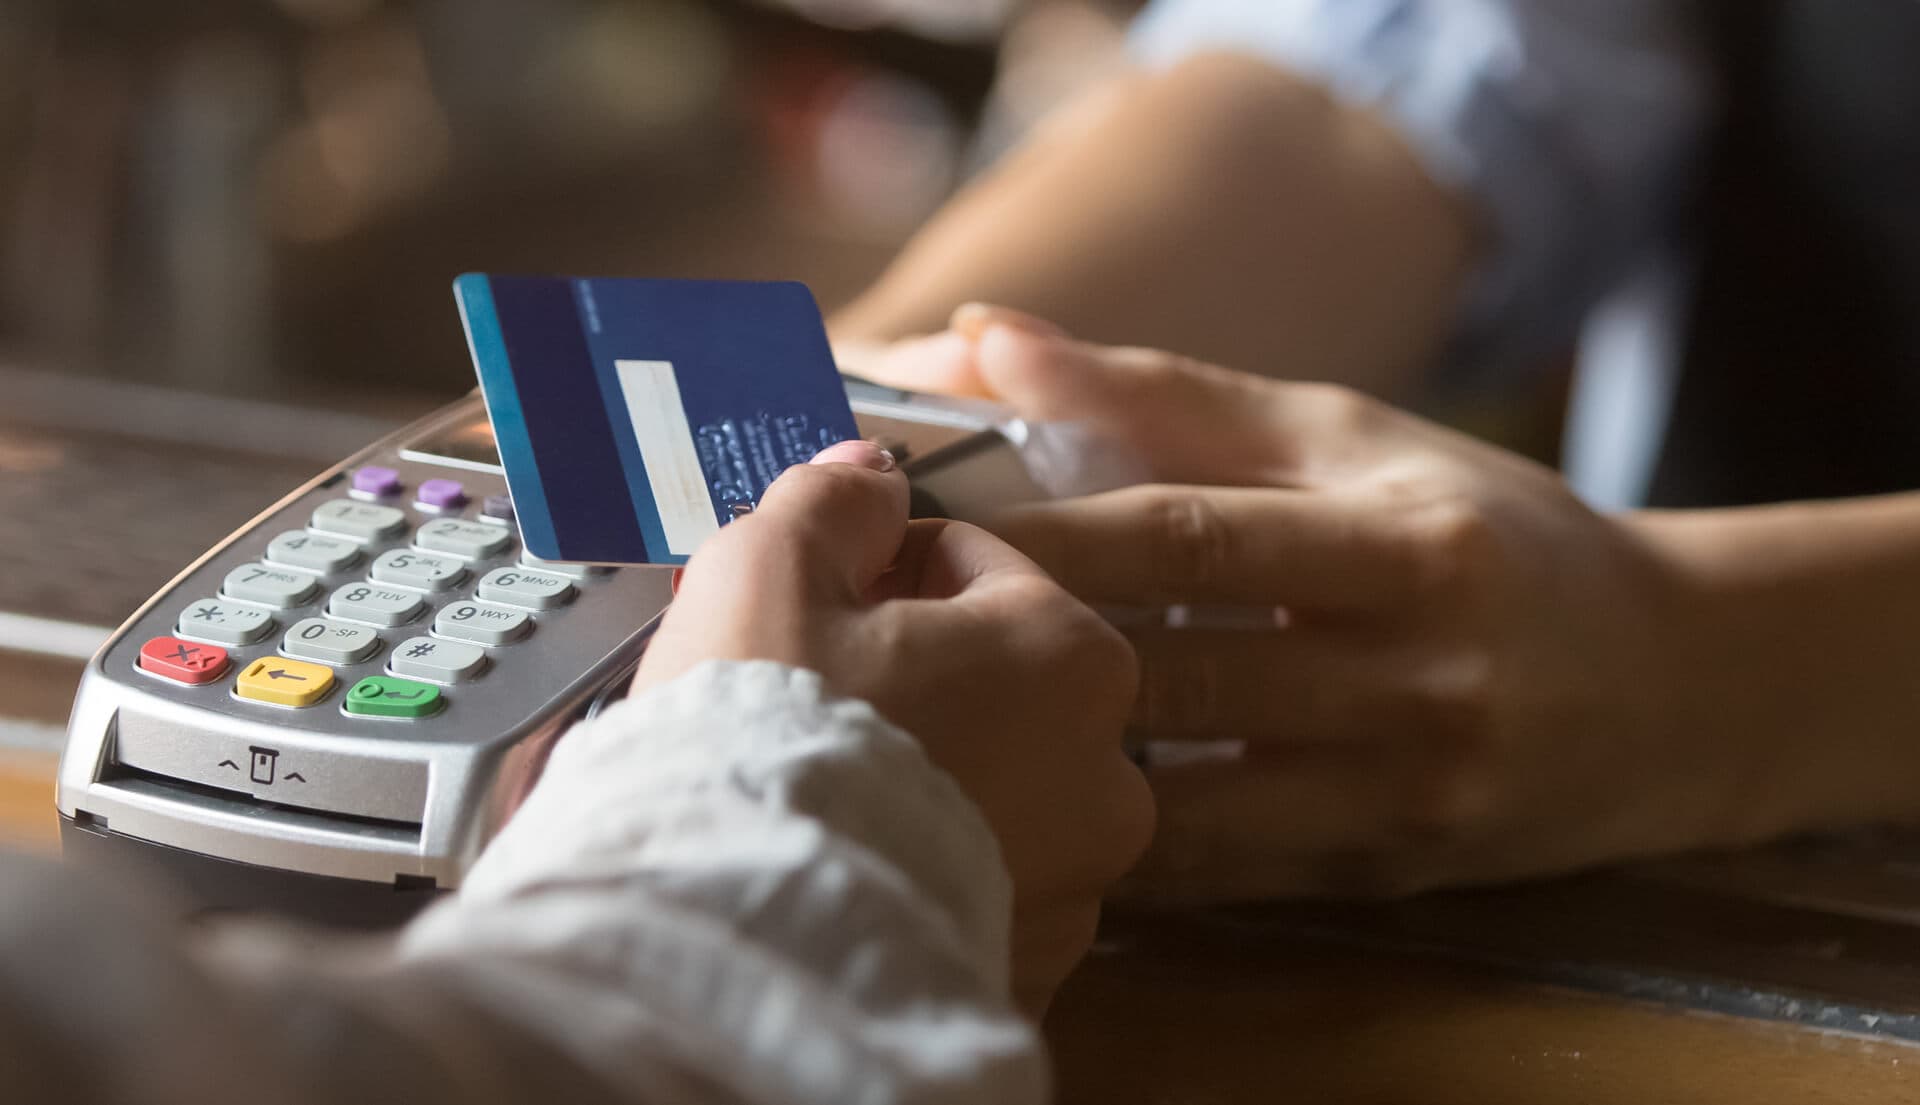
319	791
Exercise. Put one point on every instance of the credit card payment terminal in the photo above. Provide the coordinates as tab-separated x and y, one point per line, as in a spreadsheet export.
334	710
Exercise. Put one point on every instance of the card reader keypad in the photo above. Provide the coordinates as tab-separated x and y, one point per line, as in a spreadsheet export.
321	742
350	592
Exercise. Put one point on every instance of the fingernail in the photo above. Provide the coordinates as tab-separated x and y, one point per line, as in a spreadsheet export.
678	575
973	320
860	454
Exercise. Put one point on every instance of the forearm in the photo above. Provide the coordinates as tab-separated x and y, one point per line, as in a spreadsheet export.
1796	642
732	890
1223	209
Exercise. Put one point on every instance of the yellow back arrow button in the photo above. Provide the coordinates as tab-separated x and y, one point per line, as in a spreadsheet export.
284	682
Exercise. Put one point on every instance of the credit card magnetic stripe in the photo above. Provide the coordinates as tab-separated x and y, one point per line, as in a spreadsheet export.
489	350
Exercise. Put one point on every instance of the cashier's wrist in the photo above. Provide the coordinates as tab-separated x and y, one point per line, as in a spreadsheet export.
1755	723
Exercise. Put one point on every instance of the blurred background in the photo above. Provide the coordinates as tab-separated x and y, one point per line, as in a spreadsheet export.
267	198
228	229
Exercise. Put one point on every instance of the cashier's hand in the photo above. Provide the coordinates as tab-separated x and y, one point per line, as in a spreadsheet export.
1013	686
1446	669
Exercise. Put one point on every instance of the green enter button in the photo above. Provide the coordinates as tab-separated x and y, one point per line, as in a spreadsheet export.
385	696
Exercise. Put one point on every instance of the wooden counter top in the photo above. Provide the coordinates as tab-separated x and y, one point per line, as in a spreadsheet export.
1177	1013
35	694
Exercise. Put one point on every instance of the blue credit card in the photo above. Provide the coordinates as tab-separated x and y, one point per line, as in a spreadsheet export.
637	417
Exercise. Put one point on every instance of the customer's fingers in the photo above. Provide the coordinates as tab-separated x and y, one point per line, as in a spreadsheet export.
1049	941
942	559
837	521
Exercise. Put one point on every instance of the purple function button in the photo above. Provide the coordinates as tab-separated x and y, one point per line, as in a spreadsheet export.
376	481
444	494
498	506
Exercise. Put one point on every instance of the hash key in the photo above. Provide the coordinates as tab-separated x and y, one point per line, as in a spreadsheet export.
438	661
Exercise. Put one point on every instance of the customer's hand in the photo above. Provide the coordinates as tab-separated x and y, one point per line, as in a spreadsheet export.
1013	686
1465	673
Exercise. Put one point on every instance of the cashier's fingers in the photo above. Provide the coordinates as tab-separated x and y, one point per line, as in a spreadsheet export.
1319	822
1197	422
1163	545
938	364
1304	685
972	320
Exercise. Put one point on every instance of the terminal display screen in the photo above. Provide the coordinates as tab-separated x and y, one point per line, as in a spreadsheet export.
460	445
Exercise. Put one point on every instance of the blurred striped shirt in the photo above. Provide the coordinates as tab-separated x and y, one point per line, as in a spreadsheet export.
1575	126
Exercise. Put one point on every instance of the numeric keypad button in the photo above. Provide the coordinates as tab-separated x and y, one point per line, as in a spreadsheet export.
269	586
571	571
438	661
229	623
315	552
330	642
469	539
360	521
525	587
376	603
411	568
482	624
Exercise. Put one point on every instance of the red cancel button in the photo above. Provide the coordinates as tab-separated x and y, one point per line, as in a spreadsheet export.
183	661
